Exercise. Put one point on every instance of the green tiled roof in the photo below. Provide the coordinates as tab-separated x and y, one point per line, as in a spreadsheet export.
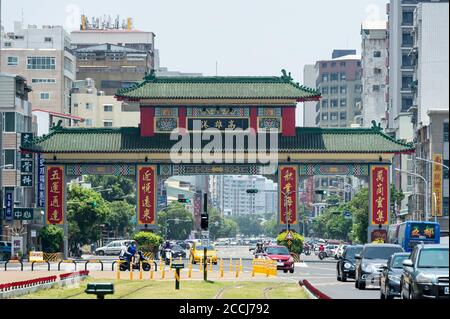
128	140
219	88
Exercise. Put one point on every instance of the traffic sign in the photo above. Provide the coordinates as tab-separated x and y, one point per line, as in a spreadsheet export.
289	236
347	215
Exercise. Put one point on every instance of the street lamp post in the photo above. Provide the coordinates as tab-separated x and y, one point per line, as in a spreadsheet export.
426	187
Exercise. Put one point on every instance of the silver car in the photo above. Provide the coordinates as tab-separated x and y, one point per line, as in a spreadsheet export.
113	248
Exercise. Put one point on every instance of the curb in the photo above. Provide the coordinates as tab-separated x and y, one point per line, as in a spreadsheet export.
311	290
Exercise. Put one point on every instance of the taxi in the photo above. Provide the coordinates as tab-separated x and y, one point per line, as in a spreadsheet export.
197	252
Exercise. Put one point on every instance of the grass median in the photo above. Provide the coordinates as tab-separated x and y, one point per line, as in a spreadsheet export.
125	289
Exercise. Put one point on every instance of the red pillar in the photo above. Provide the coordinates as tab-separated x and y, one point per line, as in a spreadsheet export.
147	121
182	117
288	116
254	118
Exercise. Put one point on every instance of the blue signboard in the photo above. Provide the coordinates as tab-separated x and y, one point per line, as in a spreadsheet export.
40	181
9	204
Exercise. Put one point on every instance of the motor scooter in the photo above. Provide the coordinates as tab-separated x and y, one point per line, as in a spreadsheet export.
136	260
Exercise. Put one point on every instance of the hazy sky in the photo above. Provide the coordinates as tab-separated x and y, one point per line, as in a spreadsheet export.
245	37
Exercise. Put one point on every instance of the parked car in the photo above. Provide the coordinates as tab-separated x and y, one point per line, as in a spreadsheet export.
113	248
283	257
369	264
346	265
425	274
390	277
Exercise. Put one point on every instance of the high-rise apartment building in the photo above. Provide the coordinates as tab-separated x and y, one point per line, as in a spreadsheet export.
309	108
374	63
339	81
44	58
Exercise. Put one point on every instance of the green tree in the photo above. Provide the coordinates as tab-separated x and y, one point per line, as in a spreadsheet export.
270	228
148	242
168	225
220	227
118	187
119	218
359	206
52	238
248	225
397	196
87	211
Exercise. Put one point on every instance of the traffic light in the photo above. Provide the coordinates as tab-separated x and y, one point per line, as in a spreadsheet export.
321	192
204	221
252	191
184	200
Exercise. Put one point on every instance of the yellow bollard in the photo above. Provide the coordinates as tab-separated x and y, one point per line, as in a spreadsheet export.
181	260
160	263
190	270
221	268
210	265
201	264
237	269
240	264
231	265
163	273
140	270
131	270
253	268
118	271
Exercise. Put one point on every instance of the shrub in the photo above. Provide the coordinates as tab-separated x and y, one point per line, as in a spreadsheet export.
147	242
297	241
52	238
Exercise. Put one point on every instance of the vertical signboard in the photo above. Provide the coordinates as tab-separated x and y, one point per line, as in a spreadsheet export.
9	204
54	201
436	200
40	181
146	189
288	183
26	163
379	205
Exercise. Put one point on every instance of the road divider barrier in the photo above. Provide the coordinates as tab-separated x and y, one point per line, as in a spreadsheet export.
40	262
14	262
264	266
18	288
69	262
313	290
98	261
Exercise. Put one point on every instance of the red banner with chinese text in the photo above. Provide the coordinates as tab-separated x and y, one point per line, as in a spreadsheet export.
380	195
146	189
288	183
54	190
436	201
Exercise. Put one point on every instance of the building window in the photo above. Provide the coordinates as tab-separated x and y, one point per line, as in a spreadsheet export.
407	81
358	64
445	203
324	65
333	64
107	123
446	163
334	103
407	18
88	106
342	64
43	81
377	54
343	89
88	122
343	76
325	104
334	77
377	71
68	64
407	61
44	96
7	44
334	116
107	108
48	39
343	116
324	116
325	77
9	158
13	60
334	90
407	102
407	40
41	63
343	102
357	101
358	88
325	90
9	122
446	132
375	88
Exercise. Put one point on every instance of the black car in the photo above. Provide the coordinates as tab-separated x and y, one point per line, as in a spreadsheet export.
369	264
178	251
390	277
425	274
346	265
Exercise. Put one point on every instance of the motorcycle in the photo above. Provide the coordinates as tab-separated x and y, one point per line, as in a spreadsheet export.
322	255
167	255
307	250
125	265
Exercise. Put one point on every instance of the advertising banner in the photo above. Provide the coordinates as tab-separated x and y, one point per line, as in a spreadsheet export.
436	200
288	183
9	204
54	200
379	206
40	182
147	191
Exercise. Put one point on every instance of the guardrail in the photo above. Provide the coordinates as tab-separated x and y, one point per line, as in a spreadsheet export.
98	261
40	262
67	262
14	262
